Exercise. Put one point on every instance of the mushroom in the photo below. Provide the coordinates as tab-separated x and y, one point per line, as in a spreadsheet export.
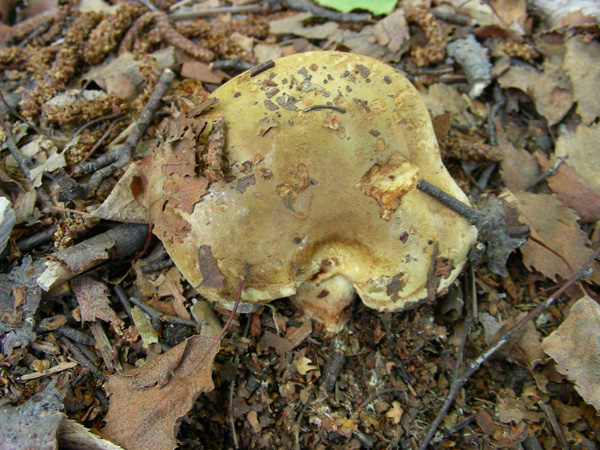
306	169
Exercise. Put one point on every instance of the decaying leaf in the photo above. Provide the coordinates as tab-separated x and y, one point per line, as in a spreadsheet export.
519	167
581	149
573	190
558	247
147	403
120	205
303	363
211	275
93	300
550	100
581	63
510	409
395	412
575	346
143	324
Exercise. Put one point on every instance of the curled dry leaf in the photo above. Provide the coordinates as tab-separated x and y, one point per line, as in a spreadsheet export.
575	346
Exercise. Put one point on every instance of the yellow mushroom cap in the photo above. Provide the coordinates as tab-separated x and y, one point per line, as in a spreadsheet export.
322	156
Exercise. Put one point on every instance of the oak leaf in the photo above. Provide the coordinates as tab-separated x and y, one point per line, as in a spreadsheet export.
557	246
148	403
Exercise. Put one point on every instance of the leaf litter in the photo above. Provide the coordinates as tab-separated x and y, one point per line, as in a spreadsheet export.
273	371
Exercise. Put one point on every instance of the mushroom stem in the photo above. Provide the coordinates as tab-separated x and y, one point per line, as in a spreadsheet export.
471	214
328	302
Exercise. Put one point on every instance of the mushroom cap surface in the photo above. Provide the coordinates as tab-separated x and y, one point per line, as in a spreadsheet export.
322	156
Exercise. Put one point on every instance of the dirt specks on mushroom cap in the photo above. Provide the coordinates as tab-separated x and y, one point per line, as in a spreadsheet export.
336	144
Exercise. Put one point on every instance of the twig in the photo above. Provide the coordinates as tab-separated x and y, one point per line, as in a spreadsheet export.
103	345
262	67
461	347
81	358
318	11
95	121
23	161
474	365
76	335
71	211
69	188
562	442
230	418
319	107
454	428
547	174
299	421
31	242
124	301
232	64
100	141
157	266
472	215
155	314
108	164
499	102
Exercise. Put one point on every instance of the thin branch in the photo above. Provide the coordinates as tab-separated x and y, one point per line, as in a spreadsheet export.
231	64
23	161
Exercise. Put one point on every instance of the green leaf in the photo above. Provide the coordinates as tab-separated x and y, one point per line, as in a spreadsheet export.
376	7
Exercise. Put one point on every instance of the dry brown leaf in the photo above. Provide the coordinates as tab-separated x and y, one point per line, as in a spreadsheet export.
581	149
120	204
528	350
172	286
395	412
93	300
575	346
211	275
511	14
581	63
295	25
149	417
200	71
557	247
519	167
550	100
515	410
573	190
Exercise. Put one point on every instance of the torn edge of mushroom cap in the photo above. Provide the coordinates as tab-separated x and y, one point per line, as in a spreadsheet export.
329	302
